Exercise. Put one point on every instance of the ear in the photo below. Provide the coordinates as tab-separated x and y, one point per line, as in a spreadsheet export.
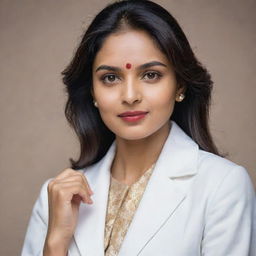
180	90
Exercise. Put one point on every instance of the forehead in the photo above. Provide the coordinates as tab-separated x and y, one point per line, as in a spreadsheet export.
133	46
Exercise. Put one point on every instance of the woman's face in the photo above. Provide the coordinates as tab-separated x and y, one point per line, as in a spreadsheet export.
131	74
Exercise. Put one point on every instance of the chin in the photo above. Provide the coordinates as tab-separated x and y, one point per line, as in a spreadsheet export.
132	138
134	135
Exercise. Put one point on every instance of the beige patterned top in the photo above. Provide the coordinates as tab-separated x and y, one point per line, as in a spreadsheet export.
123	201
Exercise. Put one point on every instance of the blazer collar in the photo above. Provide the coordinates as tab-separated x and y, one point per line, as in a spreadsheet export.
178	159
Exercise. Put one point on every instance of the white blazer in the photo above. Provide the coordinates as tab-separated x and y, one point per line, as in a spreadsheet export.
195	203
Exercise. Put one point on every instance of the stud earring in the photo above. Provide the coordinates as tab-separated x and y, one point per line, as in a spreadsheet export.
181	97
95	103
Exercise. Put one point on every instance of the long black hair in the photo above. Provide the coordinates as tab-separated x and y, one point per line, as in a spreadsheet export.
191	114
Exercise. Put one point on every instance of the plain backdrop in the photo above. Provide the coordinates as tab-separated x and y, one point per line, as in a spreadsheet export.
38	39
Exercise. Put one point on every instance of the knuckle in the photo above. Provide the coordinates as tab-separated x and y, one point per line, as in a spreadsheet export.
79	174
69	170
55	187
79	177
50	184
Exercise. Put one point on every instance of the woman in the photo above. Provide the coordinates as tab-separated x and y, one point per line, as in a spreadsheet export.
149	179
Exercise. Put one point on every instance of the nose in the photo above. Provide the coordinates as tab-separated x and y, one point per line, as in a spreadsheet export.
131	92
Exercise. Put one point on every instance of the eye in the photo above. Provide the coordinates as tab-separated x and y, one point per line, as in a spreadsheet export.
152	75
109	78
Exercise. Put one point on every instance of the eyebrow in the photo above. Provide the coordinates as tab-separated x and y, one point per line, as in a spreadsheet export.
143	66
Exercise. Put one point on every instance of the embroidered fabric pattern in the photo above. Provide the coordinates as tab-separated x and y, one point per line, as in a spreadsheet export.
123	201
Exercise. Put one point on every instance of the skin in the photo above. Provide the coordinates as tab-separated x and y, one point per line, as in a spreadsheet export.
153	89
65	193
138	144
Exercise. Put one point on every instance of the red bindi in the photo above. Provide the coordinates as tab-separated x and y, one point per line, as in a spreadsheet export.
128	65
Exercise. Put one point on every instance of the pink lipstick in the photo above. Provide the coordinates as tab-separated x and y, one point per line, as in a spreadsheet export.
133	116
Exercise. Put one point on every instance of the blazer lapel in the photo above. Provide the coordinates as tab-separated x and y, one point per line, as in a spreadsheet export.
89	235
163	194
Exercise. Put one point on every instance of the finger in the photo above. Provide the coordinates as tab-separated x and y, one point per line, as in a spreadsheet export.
74	181
81	174
66	173
66	190
76	176
70	172
86	181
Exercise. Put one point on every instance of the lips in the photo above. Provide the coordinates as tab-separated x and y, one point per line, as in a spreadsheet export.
133	113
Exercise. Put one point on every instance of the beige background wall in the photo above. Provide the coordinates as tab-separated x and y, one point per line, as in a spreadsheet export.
36	42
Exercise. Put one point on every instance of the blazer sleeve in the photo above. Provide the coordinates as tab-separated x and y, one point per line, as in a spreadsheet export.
230	217
37	227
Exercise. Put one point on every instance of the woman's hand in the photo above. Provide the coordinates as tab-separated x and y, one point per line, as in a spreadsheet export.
65	194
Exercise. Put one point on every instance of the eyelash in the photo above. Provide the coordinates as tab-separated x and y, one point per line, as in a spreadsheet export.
159	75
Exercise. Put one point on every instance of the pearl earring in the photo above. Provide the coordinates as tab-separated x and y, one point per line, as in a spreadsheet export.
181	97
95	104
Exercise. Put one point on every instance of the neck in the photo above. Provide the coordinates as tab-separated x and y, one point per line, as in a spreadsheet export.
134	157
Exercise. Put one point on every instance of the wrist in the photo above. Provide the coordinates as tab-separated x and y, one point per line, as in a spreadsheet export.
54	246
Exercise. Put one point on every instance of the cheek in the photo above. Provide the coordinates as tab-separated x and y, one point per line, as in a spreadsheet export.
105	97
107	107
162	99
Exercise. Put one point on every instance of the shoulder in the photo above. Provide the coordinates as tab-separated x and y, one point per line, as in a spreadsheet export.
226	193
220	175
218	167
